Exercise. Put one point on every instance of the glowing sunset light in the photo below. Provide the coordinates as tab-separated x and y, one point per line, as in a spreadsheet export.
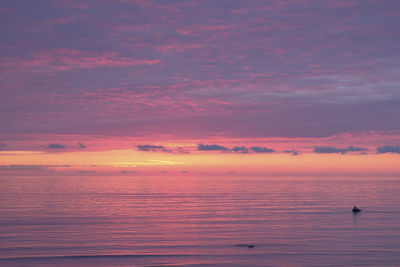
200	133
210	162
177	88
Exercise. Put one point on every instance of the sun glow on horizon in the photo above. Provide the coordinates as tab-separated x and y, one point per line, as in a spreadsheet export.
212	162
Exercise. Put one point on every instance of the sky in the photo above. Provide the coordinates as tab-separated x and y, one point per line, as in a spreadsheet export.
134	87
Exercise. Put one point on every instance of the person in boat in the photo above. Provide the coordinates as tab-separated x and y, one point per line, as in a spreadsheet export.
355	209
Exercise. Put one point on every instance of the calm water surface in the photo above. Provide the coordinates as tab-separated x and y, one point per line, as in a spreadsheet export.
199	221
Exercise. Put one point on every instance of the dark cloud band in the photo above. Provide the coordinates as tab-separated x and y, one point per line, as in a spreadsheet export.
56	146
333	150
214	147
388	149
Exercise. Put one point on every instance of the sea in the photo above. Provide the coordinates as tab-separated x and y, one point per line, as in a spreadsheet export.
194	220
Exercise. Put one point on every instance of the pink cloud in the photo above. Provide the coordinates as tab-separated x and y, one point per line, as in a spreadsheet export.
255	68
66	59
179	47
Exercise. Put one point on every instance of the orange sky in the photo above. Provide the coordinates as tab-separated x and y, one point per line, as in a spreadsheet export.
131	161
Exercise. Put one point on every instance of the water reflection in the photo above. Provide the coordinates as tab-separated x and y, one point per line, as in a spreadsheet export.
356	218
107	221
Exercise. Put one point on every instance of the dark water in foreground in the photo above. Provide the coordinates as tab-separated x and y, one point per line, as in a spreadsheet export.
165	221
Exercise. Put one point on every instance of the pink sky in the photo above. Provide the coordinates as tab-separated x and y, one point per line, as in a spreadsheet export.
253	78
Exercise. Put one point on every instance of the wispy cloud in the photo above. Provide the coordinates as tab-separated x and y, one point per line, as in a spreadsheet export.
56	146
129	172
235	149
30	167
240	149
333	150
165	162
259	149
293	152
81	146
214	147
152	148
69	59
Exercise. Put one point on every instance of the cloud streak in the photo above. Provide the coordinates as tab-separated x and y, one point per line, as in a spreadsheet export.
294	152
259	149
214	147
152	148
235	149
240	149
81	146
69	59
333	150
31	167
56	146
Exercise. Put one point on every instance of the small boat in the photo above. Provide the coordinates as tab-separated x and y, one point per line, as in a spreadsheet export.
356	210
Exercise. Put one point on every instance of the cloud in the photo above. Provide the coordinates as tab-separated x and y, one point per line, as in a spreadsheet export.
327	150
152	148
128	171
30	167
124	86
81	146
214	147
240	149
332	150
56	146
67	59
182	150
236	149
293	152
259	149
355	149
22	167
2	145
388	149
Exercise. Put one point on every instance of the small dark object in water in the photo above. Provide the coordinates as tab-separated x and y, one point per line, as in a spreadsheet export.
356	210
245	245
